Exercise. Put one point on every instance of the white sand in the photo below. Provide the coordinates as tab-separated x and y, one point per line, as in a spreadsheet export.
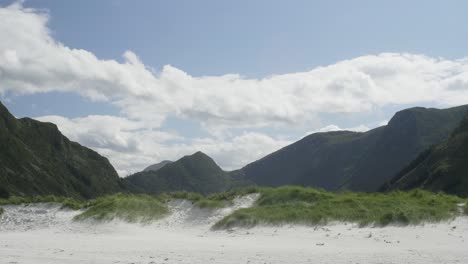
44	234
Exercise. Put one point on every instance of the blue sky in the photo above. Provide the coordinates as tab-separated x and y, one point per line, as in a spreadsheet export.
254	40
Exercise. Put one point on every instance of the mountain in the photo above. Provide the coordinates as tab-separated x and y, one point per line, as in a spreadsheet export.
36	159
352	160
194	173
443	167
157	166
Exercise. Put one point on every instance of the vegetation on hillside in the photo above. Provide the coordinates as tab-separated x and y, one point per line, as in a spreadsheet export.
300	205
36	159
344	160
443	167
195	173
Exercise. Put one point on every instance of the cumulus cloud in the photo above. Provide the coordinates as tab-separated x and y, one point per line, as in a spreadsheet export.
131	147
360	128
33	61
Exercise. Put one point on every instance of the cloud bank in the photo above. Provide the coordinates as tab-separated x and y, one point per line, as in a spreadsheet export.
32	61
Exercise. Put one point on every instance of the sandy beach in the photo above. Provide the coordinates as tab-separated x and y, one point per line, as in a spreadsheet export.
45	234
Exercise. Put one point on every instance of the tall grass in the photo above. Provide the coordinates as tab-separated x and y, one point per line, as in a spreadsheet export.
309	206
65	201
213	201
127	207
1	211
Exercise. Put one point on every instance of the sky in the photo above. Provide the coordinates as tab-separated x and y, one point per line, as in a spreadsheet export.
141	82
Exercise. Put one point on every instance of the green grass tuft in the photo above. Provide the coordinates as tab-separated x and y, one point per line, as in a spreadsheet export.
185	196
213	201
223	199
299	205
210	204
127	207
1	211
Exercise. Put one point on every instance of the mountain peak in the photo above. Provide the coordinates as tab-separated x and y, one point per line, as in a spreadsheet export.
195	173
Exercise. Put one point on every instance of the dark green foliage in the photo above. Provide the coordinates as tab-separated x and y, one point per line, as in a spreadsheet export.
441	168
355	161
195	173
36	159
127	207
1	211
299	205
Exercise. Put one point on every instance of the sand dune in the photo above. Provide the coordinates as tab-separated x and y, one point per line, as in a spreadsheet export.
45	234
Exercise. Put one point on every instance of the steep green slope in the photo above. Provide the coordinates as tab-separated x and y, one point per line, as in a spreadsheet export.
355	161
194	173
36	159
441	168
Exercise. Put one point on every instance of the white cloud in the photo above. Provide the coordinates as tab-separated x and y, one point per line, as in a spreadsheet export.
360	128
32	61
131	147
329	128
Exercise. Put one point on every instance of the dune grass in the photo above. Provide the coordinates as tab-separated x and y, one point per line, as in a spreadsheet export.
223	199
196	198
128	207
213	201
64	201
300	205
1	211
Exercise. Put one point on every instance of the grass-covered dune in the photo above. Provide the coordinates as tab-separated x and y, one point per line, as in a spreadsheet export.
213	201
300	205
275	206
127	207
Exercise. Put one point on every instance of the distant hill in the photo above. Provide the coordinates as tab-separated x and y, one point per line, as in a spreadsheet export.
443	167
157	166
36	159
352	160
194	173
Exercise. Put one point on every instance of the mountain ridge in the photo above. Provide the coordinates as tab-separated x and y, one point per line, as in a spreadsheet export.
36	159
193	173
443	167
357	161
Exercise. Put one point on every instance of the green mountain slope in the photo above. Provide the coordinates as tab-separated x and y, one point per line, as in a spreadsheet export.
355	161
36	159
441	168
157	166
194	173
